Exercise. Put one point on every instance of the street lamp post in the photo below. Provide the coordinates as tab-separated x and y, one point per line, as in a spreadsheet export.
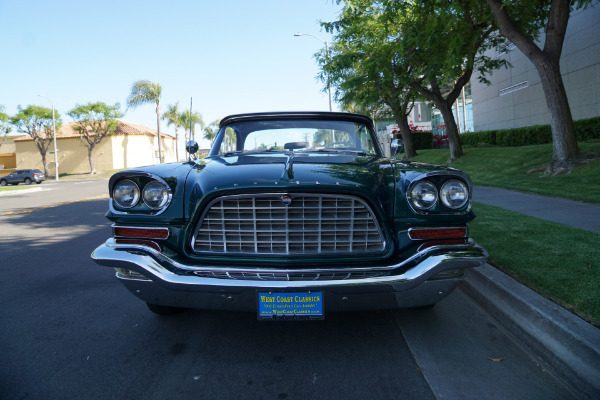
54	136
326	52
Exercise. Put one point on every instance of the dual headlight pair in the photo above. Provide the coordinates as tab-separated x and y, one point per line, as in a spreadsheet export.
453	194
126	194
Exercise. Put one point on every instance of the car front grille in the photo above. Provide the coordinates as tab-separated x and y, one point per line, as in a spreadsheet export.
309	225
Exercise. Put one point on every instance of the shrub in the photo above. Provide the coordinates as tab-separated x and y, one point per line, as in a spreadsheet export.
478	139
585	129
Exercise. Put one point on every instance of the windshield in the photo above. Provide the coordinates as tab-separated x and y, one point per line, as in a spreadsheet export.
294	135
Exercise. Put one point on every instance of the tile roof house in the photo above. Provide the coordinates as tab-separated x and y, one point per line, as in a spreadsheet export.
131	145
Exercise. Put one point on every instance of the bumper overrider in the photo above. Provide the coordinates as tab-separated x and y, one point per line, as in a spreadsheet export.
421	280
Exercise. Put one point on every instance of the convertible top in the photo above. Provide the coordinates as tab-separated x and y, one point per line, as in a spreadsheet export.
337	116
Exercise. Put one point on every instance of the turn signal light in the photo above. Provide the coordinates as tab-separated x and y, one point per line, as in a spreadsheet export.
437	233
145	233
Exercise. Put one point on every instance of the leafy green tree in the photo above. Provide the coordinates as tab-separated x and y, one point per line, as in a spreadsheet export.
210	132
173	117
364	67
4	125
521	22
95	121
36	122
444	42
403	47
144	92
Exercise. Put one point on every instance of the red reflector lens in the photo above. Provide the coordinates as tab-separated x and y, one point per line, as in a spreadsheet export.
148	243
444	233
146	233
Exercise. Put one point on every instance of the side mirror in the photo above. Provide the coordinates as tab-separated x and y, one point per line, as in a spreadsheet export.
191	147
397	147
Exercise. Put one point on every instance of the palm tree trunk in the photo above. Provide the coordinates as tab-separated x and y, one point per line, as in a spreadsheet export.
158	130
176	144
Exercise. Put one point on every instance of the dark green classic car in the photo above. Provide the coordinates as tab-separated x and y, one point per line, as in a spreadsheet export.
291	215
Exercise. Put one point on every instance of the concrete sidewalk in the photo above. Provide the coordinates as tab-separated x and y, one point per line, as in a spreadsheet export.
563	343
566	212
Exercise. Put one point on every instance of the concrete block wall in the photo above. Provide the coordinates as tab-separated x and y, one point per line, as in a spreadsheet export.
580	66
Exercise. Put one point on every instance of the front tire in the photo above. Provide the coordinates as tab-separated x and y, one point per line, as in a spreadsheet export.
163	310
27	181
3	183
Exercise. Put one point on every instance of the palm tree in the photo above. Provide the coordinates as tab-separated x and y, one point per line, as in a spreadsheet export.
173	117
210	132
190	121
144	92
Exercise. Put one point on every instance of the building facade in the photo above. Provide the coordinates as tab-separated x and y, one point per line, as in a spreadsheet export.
516	98
131	145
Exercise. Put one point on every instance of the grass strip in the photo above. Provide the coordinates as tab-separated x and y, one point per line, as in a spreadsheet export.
12	188
559	262
507	167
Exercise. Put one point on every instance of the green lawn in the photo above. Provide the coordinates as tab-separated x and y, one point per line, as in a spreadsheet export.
507	167
559	262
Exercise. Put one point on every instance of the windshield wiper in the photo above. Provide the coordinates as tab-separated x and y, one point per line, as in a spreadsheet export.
333	151
236	152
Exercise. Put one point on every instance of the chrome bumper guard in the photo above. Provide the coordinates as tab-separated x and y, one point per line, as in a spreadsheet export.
410	283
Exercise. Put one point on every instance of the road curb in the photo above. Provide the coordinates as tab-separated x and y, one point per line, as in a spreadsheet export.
563	343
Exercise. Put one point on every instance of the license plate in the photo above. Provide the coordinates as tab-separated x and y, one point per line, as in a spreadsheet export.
290	305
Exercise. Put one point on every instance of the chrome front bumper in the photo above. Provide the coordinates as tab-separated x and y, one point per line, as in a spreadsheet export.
413	282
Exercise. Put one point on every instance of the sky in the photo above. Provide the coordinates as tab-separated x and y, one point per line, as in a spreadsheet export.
228	56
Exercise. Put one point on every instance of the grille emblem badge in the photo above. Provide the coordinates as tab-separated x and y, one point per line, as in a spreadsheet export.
286	200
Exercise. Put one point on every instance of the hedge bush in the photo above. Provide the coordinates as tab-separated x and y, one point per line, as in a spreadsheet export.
585	129
421	139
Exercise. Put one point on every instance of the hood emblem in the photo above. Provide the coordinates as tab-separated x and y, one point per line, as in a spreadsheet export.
286	200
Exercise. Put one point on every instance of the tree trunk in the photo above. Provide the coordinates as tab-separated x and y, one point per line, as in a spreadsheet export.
176	144
45	163
158	131
547	63
91	159
451	129
564	140
402	122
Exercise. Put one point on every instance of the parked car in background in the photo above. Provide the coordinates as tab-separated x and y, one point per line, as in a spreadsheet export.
291	216
26	176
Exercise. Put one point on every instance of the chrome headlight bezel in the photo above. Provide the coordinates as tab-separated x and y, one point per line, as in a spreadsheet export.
166	195
439	178
141	179
118	197
446	194
415	195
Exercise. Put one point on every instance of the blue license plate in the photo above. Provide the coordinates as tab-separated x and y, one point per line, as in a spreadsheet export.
290	305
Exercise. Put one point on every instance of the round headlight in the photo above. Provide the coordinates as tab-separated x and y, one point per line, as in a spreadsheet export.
423	195
126	193
454	194
155	195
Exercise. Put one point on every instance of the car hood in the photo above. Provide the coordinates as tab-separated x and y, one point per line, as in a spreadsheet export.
367	176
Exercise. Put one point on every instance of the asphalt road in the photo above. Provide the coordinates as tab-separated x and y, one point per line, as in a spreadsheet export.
69	330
